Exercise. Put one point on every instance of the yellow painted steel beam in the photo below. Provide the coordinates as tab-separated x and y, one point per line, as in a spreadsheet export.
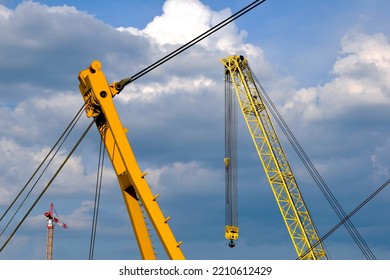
98	96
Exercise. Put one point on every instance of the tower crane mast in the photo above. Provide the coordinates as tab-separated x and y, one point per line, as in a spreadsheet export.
277	168
51	221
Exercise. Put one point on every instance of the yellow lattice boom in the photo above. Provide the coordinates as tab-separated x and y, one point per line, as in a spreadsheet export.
280	176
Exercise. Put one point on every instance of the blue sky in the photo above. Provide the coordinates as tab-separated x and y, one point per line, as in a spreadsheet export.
325	64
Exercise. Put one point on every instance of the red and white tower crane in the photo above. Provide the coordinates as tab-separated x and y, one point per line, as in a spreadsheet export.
51	221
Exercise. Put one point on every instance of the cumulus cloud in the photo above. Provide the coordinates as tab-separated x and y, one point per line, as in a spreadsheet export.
347	116
193	17
47	46
361	77
14	166
379	159
178	177
175	113
149	92
5	13
79	219
183	21
44	48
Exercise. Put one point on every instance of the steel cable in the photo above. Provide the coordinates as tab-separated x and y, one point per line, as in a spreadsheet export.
121	84
58	144
346	218
70	126
231	194
99	179
46	187
315	175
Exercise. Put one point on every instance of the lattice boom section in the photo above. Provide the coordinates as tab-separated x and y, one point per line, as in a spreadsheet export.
273	159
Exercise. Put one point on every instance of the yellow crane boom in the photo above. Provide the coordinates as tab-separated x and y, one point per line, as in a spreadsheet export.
279	174
98	96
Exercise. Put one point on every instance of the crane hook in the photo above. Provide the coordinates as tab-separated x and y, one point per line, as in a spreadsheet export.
231	244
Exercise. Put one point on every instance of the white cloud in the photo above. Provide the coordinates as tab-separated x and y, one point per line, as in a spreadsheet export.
379	159
183	177
361	51
15	164
175	113
183	21
180	22
19	162
149	92
361	78
46	47
79	219
5	13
